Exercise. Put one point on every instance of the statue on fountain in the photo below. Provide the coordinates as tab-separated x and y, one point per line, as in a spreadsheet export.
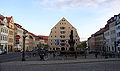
71	41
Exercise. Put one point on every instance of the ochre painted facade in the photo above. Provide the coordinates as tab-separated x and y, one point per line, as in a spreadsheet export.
59	36
11	33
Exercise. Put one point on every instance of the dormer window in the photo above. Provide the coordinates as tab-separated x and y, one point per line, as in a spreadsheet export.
63	20
62	27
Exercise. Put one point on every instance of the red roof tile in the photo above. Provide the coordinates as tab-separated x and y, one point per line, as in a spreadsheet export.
18	25
45	37
2	17
8	19
37	38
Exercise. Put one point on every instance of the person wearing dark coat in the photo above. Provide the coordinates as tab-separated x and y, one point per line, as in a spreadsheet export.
96	54
41	53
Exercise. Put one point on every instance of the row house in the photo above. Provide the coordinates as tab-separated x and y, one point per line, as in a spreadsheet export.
4	32
30	42
112	30
43	40
114	23
18	31
37	38
11	34
8	32
99	40
109	38
117	27
91	43
34	40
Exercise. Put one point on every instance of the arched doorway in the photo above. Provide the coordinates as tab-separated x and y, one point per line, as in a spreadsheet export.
53	48
57	48
71	49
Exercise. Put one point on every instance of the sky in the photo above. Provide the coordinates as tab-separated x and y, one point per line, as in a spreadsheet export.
39	16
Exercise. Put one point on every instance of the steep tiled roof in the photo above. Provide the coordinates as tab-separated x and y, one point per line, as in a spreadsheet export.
32	34
101	31
8	19
37	38
44	37
18	25
1	17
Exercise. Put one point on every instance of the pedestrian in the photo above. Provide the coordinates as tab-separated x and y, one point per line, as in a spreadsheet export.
54	54
96	54
41	53
118	54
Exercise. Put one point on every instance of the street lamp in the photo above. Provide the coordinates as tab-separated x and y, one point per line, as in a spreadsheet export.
76	53
23	52
85	50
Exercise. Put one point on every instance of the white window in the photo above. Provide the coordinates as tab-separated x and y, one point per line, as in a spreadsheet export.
1	37
1	29
5	30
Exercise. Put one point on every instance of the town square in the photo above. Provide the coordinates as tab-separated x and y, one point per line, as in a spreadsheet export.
55	35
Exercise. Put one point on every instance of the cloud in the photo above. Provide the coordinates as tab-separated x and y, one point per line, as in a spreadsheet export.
61	4
3	12
41	2
47	8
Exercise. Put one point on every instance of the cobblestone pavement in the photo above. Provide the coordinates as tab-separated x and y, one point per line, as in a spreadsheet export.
63	63
50	57
93	66
10	57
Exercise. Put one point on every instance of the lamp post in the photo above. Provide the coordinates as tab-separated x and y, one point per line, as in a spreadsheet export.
76	53
85	50
23	52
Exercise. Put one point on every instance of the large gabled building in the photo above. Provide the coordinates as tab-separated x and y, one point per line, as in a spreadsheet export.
59	36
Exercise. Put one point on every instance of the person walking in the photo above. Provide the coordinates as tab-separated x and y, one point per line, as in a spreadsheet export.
41	53
96	54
